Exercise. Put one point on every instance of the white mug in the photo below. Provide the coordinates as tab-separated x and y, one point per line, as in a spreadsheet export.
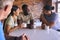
47	28
24	25
34	26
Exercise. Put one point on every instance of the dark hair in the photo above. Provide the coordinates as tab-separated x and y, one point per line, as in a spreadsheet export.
24	8
14	8
48	7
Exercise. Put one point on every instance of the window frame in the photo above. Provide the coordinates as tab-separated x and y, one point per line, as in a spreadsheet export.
57	5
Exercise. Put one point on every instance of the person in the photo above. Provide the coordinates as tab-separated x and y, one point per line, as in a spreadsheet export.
11	25
25	16
11	21
5	7
24	37
48	17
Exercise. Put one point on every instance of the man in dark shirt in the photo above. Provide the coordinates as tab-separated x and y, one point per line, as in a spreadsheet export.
48	17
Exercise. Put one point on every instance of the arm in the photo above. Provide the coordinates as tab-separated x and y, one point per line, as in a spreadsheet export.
10	29
19	20
9	24
31	19
44	21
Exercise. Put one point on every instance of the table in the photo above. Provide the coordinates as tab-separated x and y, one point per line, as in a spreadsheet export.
37	34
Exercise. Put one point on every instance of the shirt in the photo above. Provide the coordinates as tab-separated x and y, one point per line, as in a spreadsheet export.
1	31
11	22
52	18
24	18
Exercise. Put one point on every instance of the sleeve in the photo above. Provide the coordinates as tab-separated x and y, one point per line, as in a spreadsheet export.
10	22
31	16
54	18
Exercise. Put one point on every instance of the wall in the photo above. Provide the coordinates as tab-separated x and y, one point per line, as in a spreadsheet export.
35	6
54	4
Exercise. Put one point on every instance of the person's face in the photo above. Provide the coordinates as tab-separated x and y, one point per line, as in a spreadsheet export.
8	10
17	12
5	11
28	9
48	12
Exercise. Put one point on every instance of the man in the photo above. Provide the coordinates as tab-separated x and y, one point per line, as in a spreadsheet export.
5	7
25	16
48	17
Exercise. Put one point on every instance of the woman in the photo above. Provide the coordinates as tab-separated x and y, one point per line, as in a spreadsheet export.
11	21
11	24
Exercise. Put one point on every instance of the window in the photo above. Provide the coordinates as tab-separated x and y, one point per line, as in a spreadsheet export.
58	9
58	0
58	6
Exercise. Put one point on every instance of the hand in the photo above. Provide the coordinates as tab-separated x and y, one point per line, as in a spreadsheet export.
43	26
24	37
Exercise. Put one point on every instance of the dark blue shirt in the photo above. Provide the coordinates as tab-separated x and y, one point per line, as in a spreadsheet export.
52	18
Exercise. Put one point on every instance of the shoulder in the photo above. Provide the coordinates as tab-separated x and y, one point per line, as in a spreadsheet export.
54	14
41	15
30	14
10	18
21	14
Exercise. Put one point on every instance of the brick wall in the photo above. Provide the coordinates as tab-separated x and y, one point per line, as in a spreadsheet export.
34	5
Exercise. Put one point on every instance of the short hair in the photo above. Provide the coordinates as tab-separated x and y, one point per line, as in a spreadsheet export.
3	3
24	6
48	7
